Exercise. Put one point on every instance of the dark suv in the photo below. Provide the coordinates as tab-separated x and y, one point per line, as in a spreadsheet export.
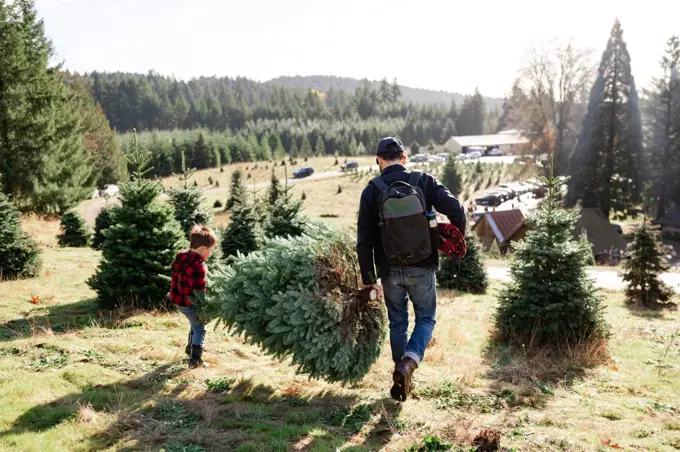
349	166
303	172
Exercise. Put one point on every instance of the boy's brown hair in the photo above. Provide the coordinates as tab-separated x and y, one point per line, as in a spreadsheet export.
201	236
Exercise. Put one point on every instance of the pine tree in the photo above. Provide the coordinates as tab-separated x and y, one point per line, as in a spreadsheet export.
451	177
285	216
237	190
243	234
274	189
43	161
646	262
19	254
320	147
188	201
293	151
297	299
608	161
550	300
74	231
279	152
662	121
470	120
467	275
306	148
103	221
265	148
140	246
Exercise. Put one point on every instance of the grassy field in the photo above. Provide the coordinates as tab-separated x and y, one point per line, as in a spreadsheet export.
75	378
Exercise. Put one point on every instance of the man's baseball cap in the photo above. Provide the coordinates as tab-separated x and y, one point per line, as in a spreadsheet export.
389	144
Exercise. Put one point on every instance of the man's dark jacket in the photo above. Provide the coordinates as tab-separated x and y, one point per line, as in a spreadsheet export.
369	243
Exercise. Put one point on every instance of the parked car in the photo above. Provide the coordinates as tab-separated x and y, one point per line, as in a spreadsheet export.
495	152
436	159
419	158
303	172
444	155
474	154
509	189
489	199
462	156
109	190
349	166
95	194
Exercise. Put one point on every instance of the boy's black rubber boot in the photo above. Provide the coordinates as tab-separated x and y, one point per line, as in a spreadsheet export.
196	357
402	376
187	350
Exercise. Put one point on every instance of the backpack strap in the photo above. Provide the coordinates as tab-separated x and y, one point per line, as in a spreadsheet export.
380	184
414	178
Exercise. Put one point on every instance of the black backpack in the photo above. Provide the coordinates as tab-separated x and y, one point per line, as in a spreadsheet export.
404	227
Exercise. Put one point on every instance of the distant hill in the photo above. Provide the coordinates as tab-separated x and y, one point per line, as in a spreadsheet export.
415	95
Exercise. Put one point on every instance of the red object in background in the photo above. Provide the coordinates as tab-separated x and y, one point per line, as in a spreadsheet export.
453	241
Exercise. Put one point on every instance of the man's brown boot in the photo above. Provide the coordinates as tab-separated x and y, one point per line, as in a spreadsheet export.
402	376
196	359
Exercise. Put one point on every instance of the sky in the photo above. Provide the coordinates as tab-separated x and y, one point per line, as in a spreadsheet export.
435	44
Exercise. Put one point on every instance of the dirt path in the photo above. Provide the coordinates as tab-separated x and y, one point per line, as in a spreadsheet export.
604	279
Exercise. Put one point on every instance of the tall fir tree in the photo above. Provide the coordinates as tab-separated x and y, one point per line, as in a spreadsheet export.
19	254
320	147
274	189
237	191
470	119
140	246
306	147
467	275
188	201
662	121
265	148
285	218
293	152
641	270
43	161
451	177
608	162
74	231
103	221
550	300
278	151
243	235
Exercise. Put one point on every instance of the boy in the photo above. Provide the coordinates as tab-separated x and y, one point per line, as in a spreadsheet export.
188	277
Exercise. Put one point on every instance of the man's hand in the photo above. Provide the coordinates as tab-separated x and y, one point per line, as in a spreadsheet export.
377	288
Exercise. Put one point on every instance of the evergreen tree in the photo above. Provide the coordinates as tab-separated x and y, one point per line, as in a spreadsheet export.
19	254
293	151
451	177
663	131
103	221
256	149
320	147
297	298
140	246
608	161
285	217
265	148
467	275
550	300
274	189
74	231
306	148
470	120
279	152
243	233
237	190
43	161
188	201
203	155
641	271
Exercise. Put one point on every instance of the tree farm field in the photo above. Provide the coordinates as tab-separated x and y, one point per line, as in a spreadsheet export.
74	377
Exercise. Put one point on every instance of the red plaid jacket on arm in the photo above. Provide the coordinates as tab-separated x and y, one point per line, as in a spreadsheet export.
188	276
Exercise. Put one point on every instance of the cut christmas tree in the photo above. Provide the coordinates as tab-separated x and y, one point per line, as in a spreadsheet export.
646	261
299	298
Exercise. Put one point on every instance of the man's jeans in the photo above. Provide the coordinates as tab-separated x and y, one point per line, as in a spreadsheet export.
419	285
197	327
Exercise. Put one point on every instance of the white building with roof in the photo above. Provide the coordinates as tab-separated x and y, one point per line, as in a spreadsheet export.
507	141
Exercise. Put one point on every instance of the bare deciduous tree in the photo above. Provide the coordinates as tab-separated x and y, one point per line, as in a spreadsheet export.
556	78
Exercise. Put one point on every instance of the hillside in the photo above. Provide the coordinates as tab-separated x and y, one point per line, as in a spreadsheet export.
416	95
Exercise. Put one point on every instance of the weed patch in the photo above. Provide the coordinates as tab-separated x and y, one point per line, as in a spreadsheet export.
448	396
220	385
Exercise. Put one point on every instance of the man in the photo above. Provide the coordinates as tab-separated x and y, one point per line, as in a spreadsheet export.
414	276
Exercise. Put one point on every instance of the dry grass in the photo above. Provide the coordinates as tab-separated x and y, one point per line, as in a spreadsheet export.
72	379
